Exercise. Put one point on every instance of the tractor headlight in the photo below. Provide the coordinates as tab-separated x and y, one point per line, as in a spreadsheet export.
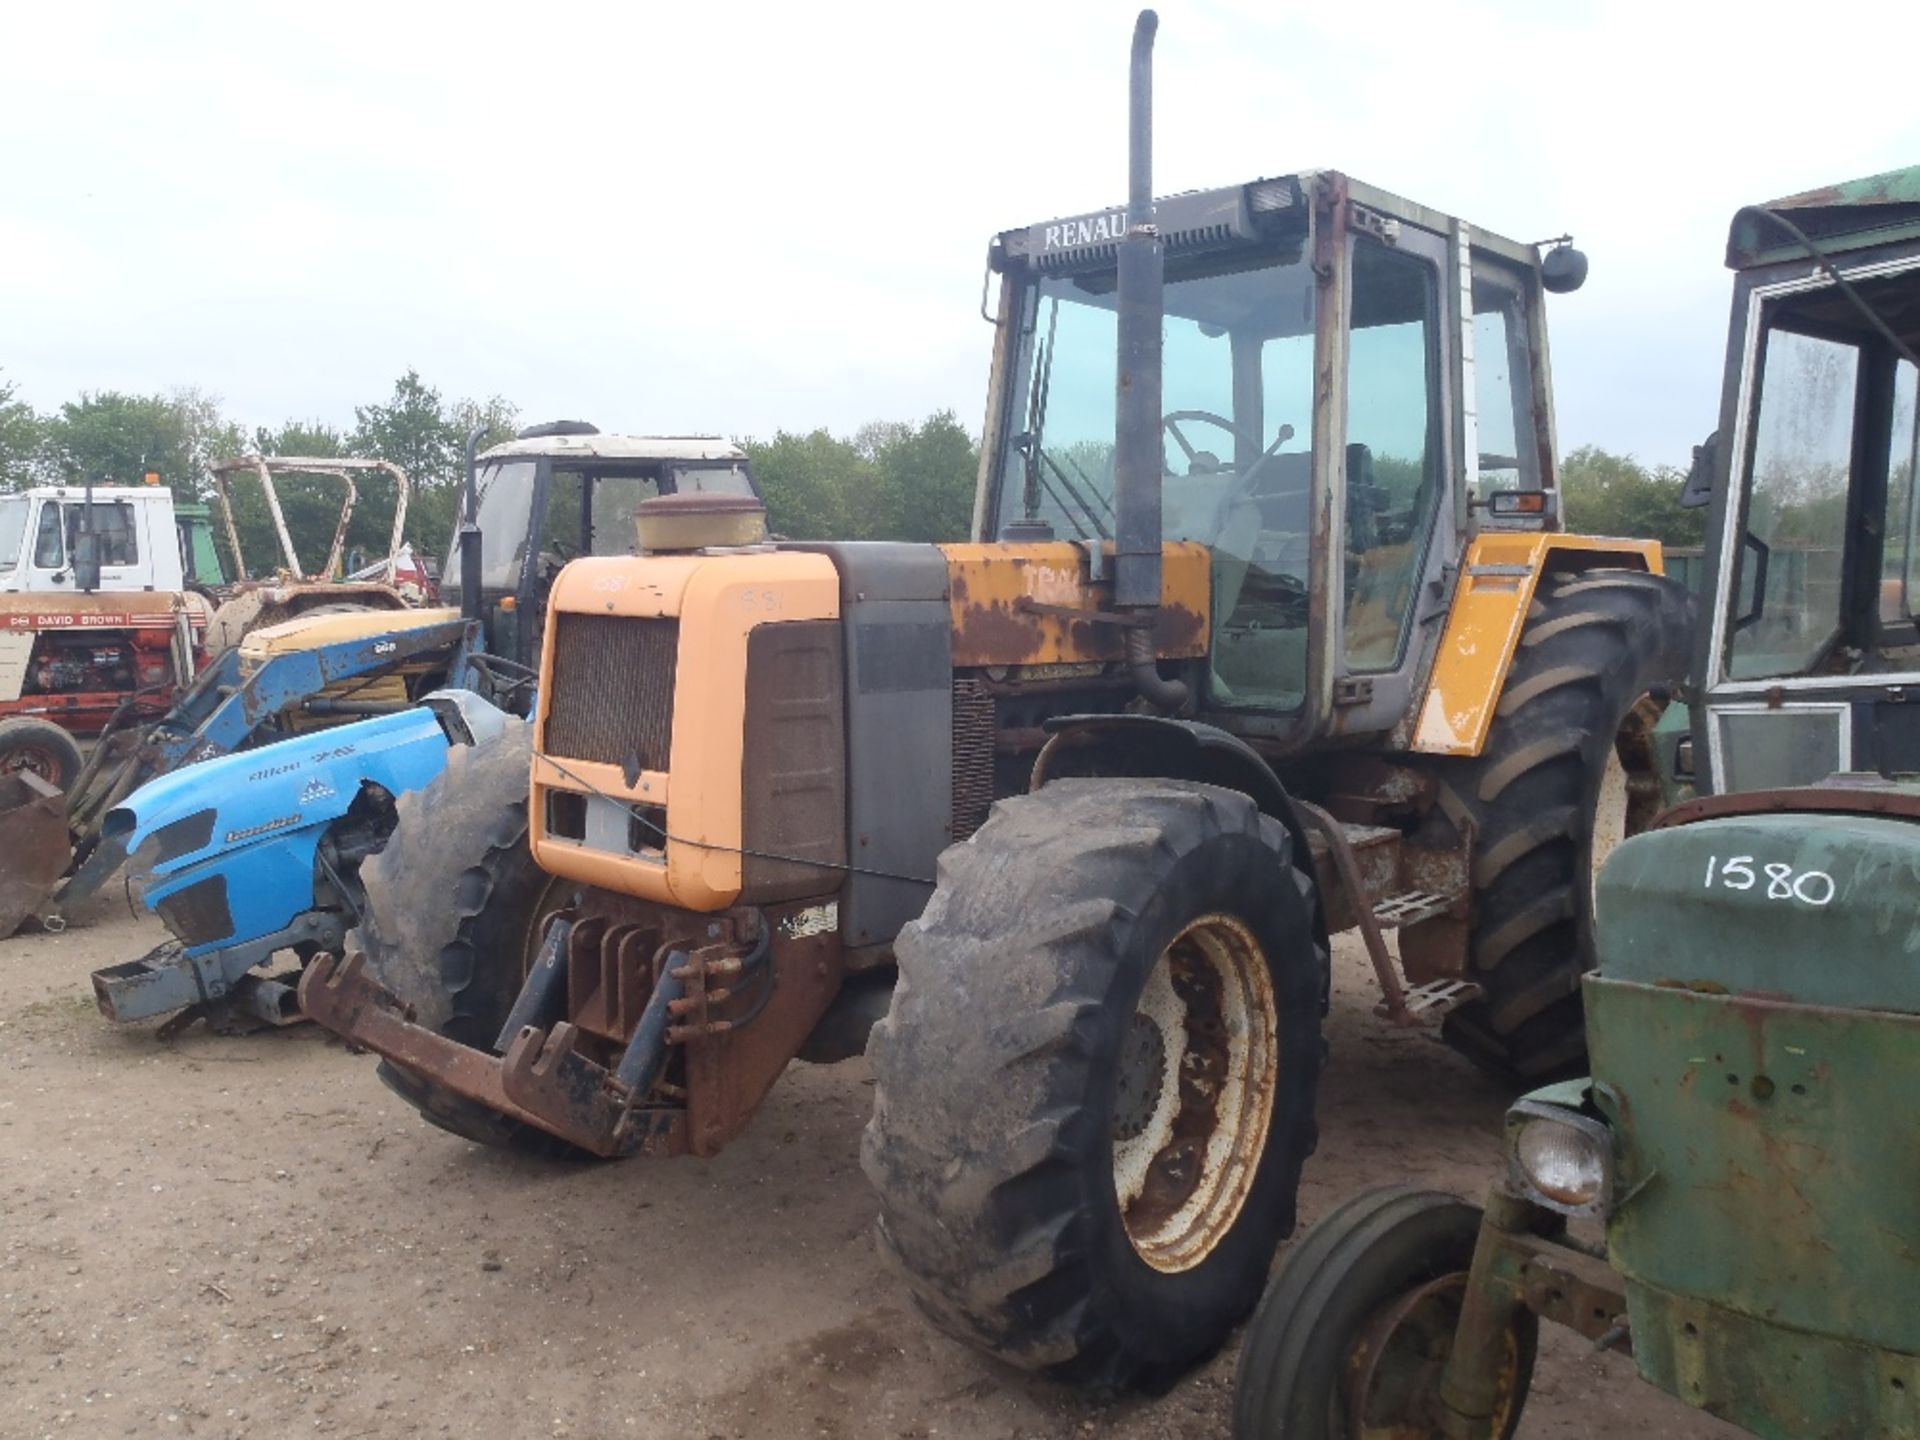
1560	1158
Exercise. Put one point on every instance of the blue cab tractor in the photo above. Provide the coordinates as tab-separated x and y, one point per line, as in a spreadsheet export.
255	855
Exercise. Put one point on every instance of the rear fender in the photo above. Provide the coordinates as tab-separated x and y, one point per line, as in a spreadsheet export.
1158	747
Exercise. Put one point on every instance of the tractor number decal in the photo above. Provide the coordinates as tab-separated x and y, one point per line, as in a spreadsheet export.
1736	872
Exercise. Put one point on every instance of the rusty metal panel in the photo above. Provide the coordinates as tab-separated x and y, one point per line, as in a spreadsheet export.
1774	1381
1017	604
1764	1149
731	1069
36	852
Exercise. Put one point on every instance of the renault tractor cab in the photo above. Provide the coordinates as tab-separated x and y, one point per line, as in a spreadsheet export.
1813	665
561	490
1322	396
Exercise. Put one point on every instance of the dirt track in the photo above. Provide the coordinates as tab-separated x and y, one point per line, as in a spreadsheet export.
251	1237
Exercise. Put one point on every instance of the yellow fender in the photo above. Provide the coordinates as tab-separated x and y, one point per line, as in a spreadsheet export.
1497	580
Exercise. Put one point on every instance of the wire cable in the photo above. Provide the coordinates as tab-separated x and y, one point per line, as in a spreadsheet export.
1846	286
637	812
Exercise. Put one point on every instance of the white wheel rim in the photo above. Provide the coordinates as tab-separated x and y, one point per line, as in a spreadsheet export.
1610	811
1195	1092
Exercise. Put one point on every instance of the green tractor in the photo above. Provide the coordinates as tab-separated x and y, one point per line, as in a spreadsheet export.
1747	1140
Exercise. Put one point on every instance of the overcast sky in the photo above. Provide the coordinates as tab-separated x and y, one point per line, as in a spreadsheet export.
737	218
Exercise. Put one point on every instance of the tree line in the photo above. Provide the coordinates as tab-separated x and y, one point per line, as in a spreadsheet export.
889	480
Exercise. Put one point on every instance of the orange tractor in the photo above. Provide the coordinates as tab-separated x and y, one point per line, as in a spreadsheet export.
1269	628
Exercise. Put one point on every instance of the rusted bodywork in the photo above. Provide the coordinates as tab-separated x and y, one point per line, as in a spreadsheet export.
33	817
164	637
266	467
1017	605
643	1028
290	588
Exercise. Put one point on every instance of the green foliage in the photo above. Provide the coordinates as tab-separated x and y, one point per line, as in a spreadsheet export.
426	437
21	436
112	438
891	481
1608	494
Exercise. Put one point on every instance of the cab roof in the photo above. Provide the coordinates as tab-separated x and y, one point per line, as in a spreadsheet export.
101	493
619	447
1205	219
1851	215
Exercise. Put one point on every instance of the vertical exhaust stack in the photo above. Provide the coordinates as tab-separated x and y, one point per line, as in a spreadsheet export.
469	544
1137	409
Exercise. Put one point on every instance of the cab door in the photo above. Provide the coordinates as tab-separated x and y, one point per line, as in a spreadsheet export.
1812	661
1392	477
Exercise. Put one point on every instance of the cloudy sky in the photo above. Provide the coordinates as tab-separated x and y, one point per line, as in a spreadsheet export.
738	218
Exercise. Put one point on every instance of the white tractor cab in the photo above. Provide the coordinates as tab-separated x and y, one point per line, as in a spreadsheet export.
136	539
576	490
94	613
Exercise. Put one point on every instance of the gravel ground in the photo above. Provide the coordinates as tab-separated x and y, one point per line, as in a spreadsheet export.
251	1237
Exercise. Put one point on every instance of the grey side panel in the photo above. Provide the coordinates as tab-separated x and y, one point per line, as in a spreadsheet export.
899	633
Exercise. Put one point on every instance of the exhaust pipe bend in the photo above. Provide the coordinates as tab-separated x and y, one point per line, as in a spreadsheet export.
1154	687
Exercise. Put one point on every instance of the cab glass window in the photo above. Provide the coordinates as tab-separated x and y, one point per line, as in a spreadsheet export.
112	523
13	529
1393	451
723	479
1899	584
615	497
1786	584
1502	384
49	550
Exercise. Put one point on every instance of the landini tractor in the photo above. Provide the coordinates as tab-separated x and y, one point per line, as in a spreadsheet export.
1269	628
1747	1136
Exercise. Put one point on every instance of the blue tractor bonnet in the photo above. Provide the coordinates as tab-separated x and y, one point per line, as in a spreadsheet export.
225	848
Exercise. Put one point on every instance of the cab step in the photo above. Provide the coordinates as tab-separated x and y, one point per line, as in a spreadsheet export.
1412	907
1432	1001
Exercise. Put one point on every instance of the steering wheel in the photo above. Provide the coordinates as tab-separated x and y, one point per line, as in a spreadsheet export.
1172	421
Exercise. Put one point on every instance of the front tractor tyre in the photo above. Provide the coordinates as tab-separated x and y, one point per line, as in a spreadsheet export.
1567	772
1353	1336
1095	1086
452	922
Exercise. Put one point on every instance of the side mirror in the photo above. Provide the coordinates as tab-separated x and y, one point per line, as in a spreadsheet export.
1563	269
1698	490
86	560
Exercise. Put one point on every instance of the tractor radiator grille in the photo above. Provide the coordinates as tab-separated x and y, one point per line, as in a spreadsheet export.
611	699
972	756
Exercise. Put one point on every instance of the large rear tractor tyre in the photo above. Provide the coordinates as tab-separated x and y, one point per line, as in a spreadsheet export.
42	747
1568	771
454	905
1351	1338
1095	1086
